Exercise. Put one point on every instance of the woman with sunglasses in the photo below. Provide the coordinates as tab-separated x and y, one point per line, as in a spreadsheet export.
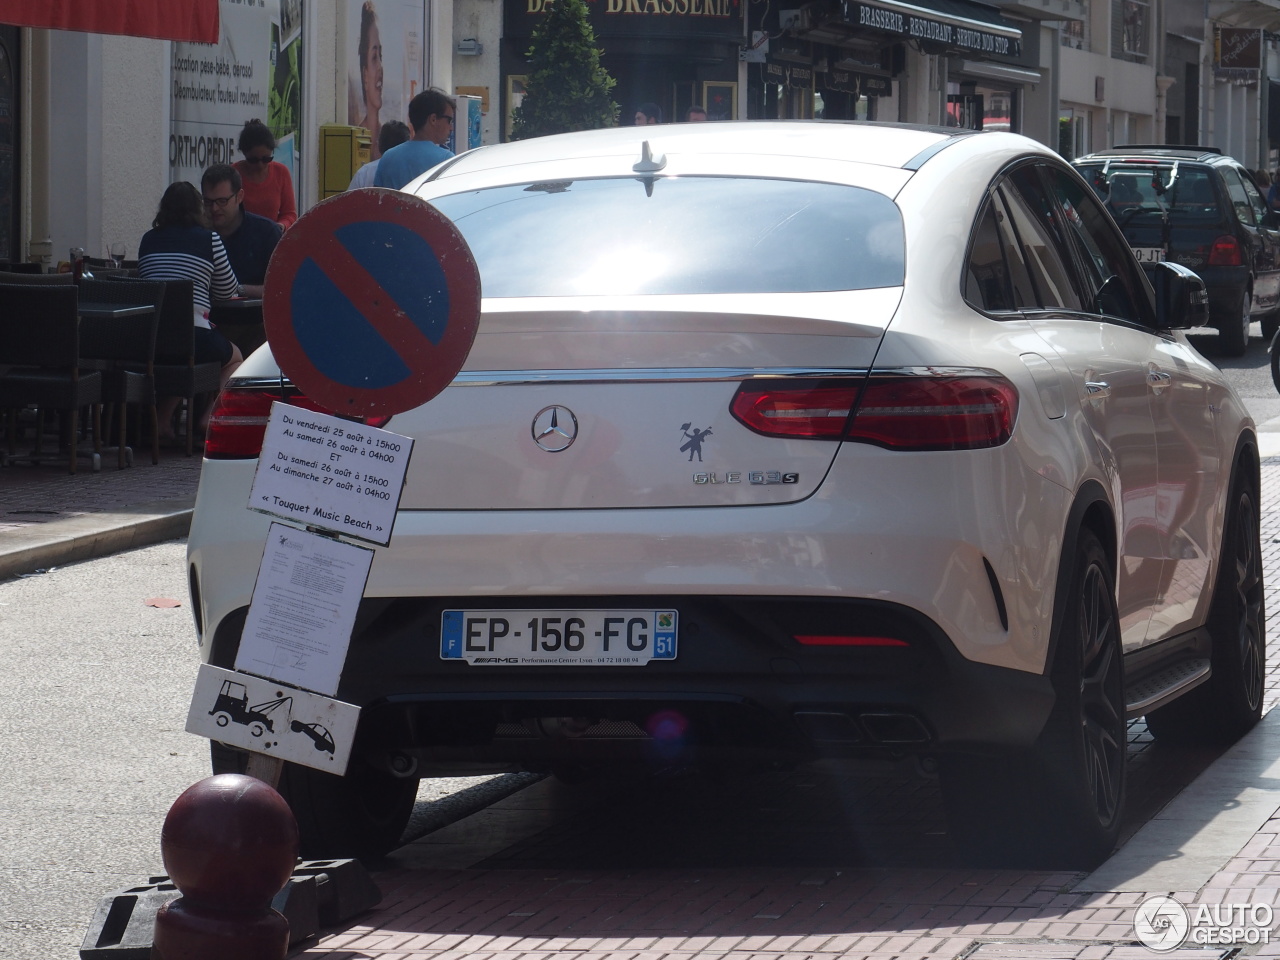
268	187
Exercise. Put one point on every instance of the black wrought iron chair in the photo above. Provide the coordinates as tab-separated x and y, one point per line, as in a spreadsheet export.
40	345
125	347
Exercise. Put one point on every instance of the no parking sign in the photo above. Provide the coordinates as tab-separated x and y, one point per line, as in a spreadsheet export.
372	302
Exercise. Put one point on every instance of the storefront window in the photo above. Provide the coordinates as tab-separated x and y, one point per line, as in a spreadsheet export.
1073	133
977	107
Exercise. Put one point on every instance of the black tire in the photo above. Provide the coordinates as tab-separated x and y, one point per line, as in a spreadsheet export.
1229	704
1270	325
1059	805
1275	361
1233	327
361	815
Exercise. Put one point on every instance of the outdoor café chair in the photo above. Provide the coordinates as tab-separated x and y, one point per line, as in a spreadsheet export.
40	344
177	373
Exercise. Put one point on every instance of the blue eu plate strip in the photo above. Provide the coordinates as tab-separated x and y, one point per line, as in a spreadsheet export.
451	635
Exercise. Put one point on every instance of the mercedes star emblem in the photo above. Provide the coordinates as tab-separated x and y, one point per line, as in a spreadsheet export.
555	428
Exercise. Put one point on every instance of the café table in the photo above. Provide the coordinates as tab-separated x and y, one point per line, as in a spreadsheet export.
91	311
240	321
111	311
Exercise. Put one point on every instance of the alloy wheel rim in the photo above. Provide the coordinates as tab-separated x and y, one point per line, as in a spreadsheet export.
1100	694
1248	590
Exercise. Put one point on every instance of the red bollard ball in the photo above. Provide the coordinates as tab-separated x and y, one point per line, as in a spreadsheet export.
229	844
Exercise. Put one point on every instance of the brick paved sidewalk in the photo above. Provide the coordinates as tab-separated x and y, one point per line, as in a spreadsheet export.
49	517
496	906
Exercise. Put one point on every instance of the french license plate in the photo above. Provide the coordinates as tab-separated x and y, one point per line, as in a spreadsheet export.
575	638
1148	254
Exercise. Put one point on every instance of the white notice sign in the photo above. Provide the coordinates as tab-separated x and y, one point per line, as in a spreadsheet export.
303	609
323	471
272	718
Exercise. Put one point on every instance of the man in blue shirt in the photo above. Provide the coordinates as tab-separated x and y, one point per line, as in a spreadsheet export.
431	116
249	239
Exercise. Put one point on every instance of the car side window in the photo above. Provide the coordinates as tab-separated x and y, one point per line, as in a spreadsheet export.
996	277
1043	248
1239	199
1255	197
1114	284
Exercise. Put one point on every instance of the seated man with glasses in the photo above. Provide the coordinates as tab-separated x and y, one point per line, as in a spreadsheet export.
248	238
431	117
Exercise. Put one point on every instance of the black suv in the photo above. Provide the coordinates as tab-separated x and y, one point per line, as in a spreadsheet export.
1196	207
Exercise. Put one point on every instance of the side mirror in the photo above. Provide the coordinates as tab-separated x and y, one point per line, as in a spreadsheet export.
1181	298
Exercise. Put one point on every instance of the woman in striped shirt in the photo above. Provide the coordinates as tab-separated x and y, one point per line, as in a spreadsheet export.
183	246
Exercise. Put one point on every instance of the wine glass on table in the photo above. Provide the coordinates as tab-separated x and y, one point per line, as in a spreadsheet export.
116	252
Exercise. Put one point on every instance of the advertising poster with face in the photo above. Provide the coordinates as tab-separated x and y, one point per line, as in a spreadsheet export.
253	72
385	62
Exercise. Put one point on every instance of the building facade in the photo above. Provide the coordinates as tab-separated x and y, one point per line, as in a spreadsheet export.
94	126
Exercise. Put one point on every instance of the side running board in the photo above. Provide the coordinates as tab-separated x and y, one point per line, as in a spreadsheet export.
1158	688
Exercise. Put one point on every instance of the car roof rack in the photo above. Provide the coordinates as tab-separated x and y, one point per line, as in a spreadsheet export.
1159	150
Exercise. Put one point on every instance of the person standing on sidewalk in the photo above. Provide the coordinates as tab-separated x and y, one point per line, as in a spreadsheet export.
431	114
393	133
268	186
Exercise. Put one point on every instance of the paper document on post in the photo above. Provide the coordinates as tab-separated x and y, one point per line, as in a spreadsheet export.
303	609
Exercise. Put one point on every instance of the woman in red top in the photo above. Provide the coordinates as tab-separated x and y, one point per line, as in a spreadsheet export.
268	188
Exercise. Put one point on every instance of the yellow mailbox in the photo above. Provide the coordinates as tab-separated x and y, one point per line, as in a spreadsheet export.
343	150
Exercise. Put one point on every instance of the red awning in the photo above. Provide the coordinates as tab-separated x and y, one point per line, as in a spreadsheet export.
195	20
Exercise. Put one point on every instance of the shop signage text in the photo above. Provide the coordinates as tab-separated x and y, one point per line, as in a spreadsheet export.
680	8
924	28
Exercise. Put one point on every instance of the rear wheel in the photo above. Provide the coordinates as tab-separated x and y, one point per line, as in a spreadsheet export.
362	814
1233	327
1275	361
1060	804
1270	324
1230	703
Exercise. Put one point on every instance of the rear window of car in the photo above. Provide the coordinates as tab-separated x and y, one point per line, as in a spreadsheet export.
1142	193
678	235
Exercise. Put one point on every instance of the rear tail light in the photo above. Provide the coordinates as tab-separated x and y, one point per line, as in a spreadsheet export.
1226	252
239	421
901	413
791	409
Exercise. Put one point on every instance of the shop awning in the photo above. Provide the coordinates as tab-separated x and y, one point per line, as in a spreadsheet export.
194	20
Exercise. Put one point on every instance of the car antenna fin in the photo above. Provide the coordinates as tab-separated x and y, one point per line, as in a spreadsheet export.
648	162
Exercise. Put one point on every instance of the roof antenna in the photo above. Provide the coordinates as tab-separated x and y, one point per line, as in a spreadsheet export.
648	162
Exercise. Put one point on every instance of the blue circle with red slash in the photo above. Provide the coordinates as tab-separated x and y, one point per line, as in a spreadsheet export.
372	301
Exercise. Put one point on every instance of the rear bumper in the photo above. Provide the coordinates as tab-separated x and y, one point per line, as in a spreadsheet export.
742	691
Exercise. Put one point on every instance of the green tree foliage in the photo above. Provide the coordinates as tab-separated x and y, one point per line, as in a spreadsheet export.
567	88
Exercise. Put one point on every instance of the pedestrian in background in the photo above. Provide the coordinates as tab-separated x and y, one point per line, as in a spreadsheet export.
648	113
268	186
431	114
696	114
248	238
394	133
182	245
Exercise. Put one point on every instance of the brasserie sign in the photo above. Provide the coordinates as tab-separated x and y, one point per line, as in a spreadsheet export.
913	26
718	19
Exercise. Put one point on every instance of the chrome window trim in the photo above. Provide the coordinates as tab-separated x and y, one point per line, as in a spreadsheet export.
493	378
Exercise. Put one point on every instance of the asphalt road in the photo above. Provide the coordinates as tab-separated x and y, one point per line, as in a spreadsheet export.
95	686
1250	374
